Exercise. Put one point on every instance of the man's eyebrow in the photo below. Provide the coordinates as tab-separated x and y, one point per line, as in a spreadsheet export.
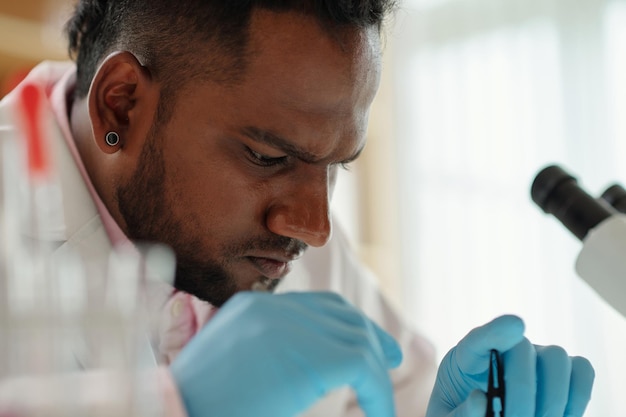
268	138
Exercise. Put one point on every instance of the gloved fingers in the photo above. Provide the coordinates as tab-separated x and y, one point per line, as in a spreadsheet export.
473	352
554	370
580	387
327	304
329	300
391	348
333	310
330	363
520	367
300	345
373	388
474	405
366	335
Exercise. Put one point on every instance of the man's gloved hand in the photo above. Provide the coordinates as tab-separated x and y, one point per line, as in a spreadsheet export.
276	355
539	380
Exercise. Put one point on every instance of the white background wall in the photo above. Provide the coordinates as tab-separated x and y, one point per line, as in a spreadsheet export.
484	93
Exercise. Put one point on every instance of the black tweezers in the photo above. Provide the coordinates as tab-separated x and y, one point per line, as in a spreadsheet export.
495	388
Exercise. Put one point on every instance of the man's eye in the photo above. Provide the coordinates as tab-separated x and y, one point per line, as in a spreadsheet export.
265	161
342	165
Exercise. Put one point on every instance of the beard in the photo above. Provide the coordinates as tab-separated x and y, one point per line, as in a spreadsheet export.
144	204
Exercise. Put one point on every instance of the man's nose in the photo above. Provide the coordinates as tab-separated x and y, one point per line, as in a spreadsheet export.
303	214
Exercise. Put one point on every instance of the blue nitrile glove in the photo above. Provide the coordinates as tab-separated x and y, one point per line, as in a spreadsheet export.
539	380
275	355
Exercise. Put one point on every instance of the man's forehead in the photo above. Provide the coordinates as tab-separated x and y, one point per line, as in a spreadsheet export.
312	67
305	35
301	85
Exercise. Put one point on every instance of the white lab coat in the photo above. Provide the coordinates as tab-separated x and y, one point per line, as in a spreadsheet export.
331	268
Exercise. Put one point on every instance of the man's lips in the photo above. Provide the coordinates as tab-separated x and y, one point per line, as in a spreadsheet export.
271	268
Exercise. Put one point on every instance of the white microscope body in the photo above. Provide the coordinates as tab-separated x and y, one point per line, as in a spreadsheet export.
599	223
602	261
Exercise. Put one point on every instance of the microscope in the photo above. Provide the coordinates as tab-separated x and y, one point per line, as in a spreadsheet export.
599	223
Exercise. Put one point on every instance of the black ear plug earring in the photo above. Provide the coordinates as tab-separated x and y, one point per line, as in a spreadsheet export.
112	138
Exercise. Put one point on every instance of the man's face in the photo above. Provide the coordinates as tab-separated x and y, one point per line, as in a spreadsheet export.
239	180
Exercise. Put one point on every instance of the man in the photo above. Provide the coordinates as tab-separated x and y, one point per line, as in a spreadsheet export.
217	128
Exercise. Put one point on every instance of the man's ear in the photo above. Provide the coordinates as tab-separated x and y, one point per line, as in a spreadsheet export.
120	85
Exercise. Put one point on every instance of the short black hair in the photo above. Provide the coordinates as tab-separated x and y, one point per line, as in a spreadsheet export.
165	34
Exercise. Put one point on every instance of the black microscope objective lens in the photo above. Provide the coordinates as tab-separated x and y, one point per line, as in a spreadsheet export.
615	195
558	193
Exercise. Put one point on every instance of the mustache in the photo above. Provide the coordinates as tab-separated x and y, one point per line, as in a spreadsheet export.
272	243
188	261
